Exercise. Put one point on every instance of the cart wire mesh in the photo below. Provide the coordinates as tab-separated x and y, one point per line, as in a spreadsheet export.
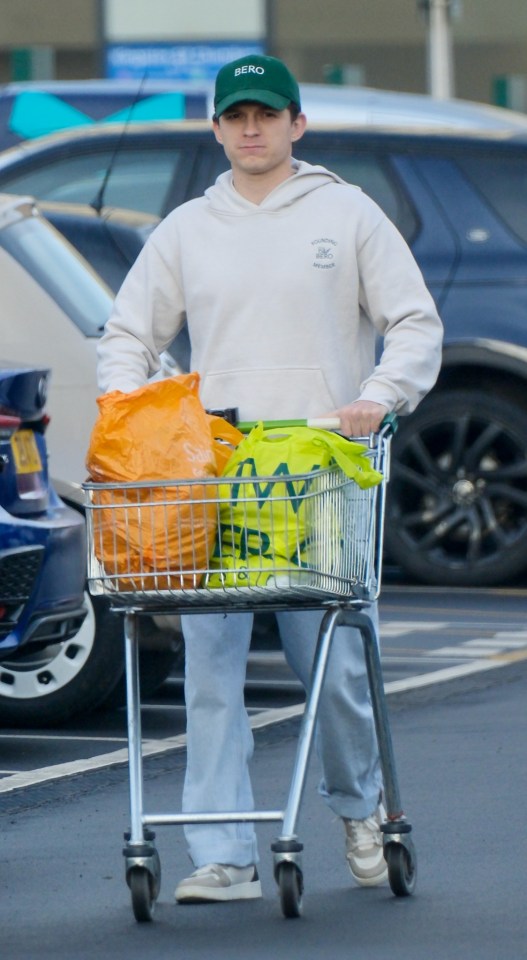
241	542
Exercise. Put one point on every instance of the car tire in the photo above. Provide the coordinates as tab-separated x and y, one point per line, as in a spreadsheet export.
50	685
42	688
457	499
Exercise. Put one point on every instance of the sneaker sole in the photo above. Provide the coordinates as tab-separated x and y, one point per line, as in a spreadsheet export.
370	881
238	891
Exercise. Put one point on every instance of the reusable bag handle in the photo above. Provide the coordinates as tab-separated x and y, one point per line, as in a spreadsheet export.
348	454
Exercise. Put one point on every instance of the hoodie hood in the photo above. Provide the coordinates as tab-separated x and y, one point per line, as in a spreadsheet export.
224	199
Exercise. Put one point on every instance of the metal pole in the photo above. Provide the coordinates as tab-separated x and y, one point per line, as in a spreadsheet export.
270	28
330	621
440	70
100	37
133	702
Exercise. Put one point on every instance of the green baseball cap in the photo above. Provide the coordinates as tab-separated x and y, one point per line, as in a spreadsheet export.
255	78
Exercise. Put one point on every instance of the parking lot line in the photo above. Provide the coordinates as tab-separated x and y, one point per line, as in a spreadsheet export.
265	718
61	737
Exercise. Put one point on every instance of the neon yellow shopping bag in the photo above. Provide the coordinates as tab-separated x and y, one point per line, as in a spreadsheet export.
262	529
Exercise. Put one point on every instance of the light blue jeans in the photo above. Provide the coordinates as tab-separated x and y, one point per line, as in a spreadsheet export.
219	737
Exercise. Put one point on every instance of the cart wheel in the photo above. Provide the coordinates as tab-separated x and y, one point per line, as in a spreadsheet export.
290	884
140	881
402	869
155	876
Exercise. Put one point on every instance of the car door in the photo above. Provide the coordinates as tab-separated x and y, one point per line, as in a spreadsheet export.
483	193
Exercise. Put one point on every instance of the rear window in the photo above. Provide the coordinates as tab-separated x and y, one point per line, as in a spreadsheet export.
138	179
502	181
57	269
373	176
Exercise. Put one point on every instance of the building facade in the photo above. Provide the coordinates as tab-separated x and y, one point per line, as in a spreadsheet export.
378	43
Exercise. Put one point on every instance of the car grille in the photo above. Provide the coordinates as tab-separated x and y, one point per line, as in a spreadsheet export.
18	572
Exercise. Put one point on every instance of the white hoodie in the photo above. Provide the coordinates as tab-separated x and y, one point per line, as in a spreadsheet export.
283	300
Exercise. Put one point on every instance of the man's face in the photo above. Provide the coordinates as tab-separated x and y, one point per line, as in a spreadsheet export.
256	138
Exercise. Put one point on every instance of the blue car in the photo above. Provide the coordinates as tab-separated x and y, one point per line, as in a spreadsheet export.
42	545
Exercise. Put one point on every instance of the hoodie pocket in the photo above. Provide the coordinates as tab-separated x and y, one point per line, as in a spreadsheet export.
269	393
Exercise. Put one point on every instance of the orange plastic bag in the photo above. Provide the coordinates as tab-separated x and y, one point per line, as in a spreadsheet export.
157	537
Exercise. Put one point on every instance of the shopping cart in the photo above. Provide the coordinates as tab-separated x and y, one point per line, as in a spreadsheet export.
153	548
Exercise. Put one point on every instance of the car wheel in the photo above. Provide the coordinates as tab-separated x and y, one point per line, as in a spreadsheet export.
457	499
40	686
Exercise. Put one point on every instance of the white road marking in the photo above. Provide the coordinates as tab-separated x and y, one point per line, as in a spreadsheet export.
481	647
509	638
398	628
461	652
67	736
440	676
59	771
495	642
494	656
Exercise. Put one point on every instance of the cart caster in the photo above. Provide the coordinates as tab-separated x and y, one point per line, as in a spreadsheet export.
402	868
143	876
143	901
290	885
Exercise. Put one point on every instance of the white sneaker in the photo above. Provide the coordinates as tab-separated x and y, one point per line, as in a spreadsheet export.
364	849
219	881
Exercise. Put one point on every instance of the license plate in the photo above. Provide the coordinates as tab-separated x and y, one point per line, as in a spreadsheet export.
25	451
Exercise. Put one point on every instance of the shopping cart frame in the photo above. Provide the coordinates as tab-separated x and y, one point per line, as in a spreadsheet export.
137	597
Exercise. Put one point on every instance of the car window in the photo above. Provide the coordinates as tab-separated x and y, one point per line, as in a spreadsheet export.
503	183
373	176
139	179
56	268
365	170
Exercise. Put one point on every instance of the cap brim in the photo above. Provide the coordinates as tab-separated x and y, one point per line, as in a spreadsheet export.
273	100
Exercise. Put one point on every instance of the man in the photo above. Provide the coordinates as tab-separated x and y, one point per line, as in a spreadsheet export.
285	276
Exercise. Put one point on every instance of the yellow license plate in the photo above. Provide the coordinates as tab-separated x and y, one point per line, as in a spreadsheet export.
25	452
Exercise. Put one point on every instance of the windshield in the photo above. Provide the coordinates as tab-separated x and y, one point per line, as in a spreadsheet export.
140	178
55	266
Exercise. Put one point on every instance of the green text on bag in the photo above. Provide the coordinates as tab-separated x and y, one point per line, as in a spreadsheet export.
262	529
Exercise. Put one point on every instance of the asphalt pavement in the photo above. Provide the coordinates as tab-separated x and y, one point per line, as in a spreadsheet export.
427	635
460	749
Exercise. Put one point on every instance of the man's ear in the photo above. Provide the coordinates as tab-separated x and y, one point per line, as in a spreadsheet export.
217	131
298	127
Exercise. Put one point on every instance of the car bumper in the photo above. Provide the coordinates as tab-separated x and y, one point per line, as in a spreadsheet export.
42	577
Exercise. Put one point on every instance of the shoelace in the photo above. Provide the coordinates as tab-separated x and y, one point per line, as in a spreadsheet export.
209	868
363	833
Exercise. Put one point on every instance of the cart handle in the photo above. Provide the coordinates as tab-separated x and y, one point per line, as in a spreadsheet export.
387	428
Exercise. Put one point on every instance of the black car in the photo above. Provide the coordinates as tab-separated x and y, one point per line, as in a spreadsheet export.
457	511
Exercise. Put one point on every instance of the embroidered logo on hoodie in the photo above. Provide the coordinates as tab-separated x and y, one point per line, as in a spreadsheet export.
324	256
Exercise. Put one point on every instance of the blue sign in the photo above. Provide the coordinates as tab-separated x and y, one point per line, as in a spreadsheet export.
174	61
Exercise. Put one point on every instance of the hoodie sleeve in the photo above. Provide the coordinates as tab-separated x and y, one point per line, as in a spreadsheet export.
394	297
148	312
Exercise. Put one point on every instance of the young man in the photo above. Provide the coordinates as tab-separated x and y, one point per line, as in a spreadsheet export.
285	276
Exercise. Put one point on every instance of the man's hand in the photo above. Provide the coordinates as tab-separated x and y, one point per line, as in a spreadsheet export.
360	418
